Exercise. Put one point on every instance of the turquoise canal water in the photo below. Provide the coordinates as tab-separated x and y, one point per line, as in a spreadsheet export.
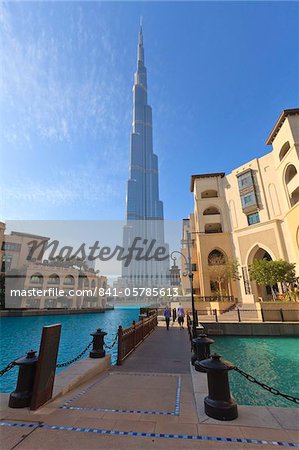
20	334
271	360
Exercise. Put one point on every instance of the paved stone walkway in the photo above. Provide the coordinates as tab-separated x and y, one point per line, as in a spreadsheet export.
164	351
147	403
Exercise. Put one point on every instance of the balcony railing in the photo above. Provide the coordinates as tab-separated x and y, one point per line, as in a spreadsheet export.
215	298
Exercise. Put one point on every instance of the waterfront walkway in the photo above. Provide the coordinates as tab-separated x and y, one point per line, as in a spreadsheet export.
147	403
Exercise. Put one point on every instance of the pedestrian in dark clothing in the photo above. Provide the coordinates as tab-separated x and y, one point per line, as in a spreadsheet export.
167	315
174	315
181	316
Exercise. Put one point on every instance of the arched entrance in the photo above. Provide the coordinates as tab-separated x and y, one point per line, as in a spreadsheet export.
260	292
217	269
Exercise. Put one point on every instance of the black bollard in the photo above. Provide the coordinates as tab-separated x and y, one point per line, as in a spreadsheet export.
218	404
201	350
21	397
98	344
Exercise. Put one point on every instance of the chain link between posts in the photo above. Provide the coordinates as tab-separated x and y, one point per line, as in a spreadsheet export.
71	361
270	389
249	377
109	347
10	366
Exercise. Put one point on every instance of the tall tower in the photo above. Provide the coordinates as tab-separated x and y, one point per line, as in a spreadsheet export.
144	213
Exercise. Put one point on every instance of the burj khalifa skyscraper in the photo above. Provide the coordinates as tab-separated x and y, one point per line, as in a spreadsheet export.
144	209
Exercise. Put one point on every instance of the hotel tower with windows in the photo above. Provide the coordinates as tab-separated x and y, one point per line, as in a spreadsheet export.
250	213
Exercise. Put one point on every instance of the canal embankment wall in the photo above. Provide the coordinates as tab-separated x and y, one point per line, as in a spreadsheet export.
50	312
251	328
79	373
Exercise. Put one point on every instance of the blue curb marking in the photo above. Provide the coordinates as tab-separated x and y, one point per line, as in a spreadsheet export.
178	397
156	435
131	411
176	412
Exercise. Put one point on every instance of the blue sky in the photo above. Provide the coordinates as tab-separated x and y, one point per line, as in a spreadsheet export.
219	75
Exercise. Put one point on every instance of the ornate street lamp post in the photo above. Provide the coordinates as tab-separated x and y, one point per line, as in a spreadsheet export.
190	275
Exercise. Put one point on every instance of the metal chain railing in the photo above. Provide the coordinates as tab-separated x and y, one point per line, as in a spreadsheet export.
270	389
10	366
68	363
109	347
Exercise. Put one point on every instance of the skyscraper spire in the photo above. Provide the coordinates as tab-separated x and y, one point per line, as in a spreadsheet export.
140	31
144	215
140	52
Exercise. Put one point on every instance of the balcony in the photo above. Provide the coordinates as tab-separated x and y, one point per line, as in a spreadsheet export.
213	218
213	228
245	181
250	208
209	193
249	201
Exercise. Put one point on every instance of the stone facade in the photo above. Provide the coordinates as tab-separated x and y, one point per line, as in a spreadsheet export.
66	284
253	212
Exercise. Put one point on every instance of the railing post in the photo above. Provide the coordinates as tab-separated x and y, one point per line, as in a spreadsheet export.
201	349
142	328
281	314
215	313
134	334
21	397
119	345
218	404
98	344
262	314
239	315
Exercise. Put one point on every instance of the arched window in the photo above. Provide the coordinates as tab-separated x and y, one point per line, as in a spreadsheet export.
209	193
53	279
86	282
284	150
216	257
211	211
36	278
69	280
93	284
290	173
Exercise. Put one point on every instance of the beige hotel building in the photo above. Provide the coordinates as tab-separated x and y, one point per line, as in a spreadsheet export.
74	283
250	213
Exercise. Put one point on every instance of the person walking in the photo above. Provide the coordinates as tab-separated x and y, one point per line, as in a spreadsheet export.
167	315
173	315
181	316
